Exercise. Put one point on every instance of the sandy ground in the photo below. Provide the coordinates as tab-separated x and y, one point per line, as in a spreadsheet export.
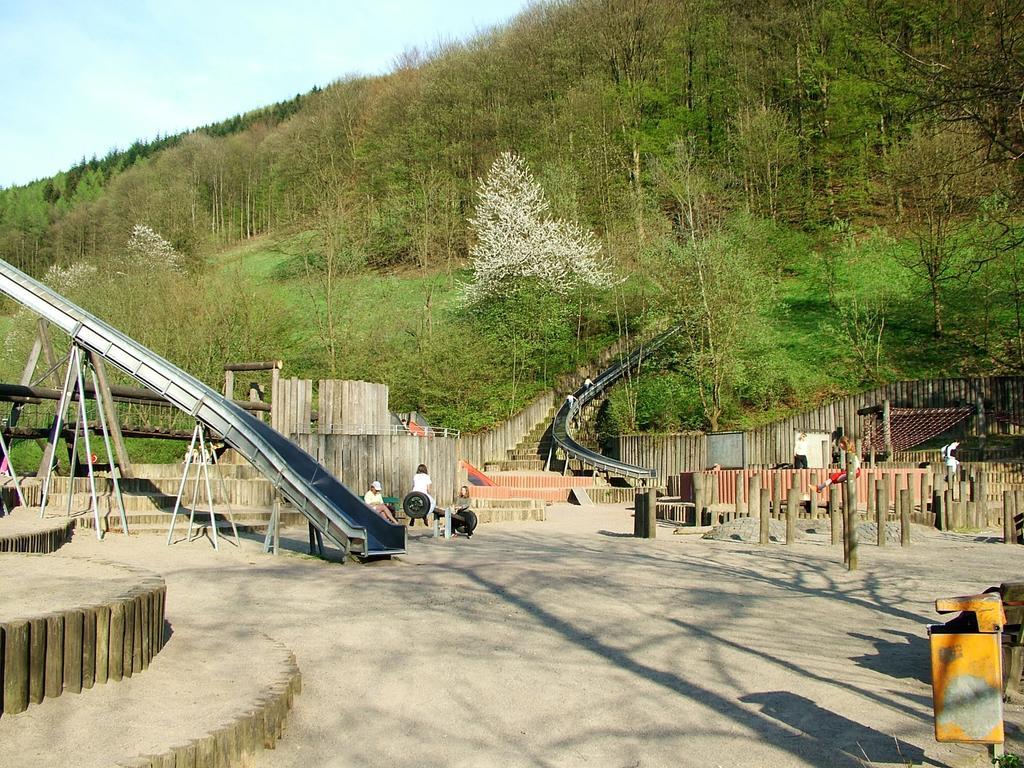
570	643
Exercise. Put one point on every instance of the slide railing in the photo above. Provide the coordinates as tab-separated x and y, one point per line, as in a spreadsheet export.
332	508
573	404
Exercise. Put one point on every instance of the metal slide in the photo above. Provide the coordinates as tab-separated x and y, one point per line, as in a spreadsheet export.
571	407
331	507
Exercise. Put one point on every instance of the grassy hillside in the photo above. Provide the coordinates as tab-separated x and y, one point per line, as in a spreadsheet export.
795	183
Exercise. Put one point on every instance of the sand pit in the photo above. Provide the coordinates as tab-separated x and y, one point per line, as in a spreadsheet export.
570	643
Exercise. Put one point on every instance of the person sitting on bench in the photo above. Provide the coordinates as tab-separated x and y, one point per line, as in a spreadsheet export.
375	501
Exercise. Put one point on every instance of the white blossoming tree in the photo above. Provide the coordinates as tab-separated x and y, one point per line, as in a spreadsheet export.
147	247
518	242
525	264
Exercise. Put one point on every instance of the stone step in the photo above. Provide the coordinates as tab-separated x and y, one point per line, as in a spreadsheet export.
544	480
249	492
549	495
512	466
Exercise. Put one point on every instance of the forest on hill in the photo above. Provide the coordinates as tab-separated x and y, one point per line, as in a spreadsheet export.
825	193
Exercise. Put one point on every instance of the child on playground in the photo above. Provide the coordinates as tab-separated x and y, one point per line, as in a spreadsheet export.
852	460
374	499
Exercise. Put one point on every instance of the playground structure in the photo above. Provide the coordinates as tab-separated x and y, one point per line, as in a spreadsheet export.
330	507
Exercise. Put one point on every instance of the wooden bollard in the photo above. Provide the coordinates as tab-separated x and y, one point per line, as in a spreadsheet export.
939	511
639	503
905	510
872	500
146	627
925	493
950	510
37	660
128	646
881	522
137	665
851	522
88	647
776	480
54	674
834	511
102	643
16	642
1009	528
651	519
981	497
1018	510
883	502
792	510
698	498
765	515
73	621
812	501
738	504
115	645
754	495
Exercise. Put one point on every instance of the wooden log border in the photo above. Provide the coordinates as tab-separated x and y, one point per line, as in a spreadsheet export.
257	725
38	542
73	649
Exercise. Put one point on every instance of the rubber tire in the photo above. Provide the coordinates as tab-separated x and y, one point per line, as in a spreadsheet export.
465	523
416	505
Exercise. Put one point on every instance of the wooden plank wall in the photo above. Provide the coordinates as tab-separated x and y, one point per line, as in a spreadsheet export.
773	443
292	406
353	408
669	454
358	460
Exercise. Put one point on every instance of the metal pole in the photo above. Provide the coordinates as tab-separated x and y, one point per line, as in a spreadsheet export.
58	423
224	492
10	466
181	487
110	452
204	468
88	448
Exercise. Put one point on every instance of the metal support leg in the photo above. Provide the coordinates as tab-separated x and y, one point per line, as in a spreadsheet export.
204	468
10	466
224	494
181	486
100	406
88	448
447	522
58	424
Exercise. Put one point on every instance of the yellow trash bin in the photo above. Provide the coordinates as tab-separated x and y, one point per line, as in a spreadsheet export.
967	670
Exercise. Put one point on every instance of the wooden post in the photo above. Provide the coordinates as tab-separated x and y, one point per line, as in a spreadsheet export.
981	496
851	521
15	673
872	499
949	509
754	495
924	492
698	498
881	520
739	504
764	515
887	428
834	512
939	510
651	518
905	508
776	481
792	508
812	501
1009	527
639	502
106	402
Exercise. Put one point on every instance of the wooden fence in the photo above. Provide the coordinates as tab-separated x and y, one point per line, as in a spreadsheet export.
359	459
773	443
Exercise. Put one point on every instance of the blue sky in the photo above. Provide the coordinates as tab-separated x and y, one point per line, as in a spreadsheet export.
80	78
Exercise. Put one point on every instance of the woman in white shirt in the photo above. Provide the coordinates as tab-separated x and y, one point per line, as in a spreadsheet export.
421	483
